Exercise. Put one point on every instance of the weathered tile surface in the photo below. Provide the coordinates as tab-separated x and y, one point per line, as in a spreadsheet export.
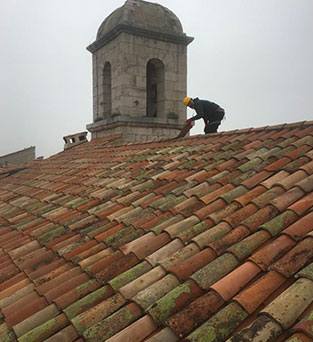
205	238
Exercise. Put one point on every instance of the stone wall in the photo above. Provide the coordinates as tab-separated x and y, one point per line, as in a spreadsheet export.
136	130
128	55
19	157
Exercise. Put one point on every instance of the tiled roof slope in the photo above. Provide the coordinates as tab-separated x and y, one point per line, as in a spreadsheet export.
206	238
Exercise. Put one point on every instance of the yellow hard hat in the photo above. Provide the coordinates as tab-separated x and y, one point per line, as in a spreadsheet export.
187	100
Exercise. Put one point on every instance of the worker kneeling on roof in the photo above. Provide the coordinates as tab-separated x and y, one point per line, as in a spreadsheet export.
211	113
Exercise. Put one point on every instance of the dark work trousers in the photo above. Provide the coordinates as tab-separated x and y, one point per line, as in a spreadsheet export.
212	125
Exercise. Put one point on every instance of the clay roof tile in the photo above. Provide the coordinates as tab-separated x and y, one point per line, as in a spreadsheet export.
285	310
106	225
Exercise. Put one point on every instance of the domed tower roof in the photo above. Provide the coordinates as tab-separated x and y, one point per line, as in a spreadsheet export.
141	18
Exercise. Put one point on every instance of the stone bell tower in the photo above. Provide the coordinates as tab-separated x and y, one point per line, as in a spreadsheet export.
139	73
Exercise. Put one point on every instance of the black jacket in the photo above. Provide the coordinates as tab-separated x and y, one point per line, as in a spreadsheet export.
208	111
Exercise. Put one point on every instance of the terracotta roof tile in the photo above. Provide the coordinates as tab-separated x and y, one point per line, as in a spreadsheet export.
175	229
212	234
302	205
229	317
148	296
173	301
18	303
190	265
98	312
248	245
26	311
138	330
117	267
215	270
35	320
228	286
46	329
280	308
142	282
103	226
263	328
280	222
164	252
155	243
195	314
68	334
43	270
165	334
179	256
52	283
88	301
55	272
298	257
73	295
66	286
254	295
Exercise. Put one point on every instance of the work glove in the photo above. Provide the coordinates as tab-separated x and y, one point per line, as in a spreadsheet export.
189	121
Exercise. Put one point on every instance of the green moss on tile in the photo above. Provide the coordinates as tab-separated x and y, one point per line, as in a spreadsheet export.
236	181
235	193
191	232
250	165
171	202
213	165
110	325
307	272
9	337
85	286
181	189
44	210
225	156
230	146
52	235
88	301
95	229
79	202
186	165
215	270
133	235
118	235
44	330
37	204
146	186
220	326
247	246
6	335
277	224
26	220
66	200
296	164
165	150
162	309
307	140
156	229
130	275
142	175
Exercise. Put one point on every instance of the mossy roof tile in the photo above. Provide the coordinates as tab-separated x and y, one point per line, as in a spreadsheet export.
244	196
220	326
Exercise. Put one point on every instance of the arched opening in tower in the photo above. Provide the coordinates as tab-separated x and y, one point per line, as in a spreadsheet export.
155	88
107	90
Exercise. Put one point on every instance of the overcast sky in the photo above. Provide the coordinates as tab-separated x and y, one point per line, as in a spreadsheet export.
253	57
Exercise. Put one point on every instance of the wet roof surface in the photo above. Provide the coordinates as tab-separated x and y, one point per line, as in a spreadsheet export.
206	238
